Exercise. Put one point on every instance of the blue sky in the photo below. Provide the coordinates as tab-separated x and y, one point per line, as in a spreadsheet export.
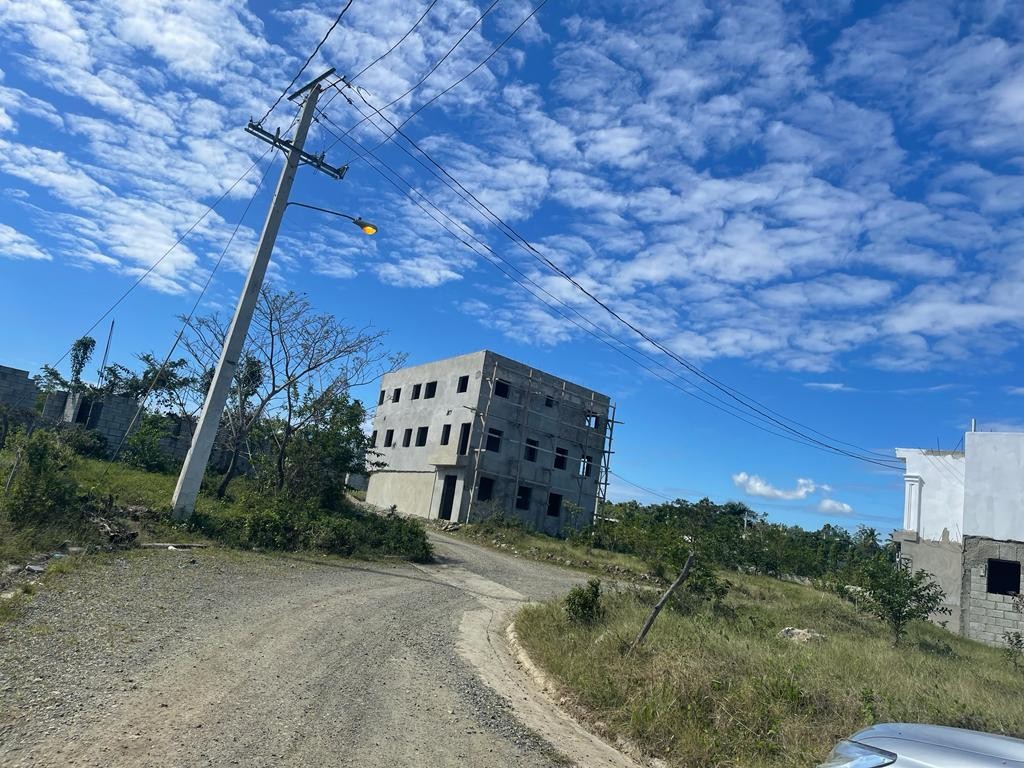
818	203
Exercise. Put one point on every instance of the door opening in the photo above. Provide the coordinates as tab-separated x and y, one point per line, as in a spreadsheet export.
444	511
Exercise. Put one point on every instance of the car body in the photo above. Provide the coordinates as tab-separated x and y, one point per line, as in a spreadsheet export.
911	745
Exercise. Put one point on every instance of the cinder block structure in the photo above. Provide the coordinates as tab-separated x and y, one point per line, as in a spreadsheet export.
963	521
17	391
110	415
479	433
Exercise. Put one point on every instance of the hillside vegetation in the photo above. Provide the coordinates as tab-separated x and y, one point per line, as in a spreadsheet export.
55	494
720	688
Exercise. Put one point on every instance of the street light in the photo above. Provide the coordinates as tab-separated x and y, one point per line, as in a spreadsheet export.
367	227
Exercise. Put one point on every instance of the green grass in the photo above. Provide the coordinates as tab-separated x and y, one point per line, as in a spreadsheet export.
128	485
516	540
723	690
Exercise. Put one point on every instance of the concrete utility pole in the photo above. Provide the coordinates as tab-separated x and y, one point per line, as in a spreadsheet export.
192	471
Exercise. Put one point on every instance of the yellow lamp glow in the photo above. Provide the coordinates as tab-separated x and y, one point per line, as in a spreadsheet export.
367	227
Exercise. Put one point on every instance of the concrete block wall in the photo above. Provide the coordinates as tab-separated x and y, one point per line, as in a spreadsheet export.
112	417
17	391
985	616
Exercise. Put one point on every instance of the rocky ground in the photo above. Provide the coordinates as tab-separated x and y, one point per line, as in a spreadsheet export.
213	657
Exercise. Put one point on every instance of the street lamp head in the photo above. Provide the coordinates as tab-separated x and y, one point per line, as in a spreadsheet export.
367	227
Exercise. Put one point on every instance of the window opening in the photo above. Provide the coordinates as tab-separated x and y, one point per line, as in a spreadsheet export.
493	442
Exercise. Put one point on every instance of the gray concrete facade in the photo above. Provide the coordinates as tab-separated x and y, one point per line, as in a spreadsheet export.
17	391
988	610
479	433
944	560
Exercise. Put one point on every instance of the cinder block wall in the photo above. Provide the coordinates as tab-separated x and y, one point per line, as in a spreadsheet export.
17	391
986	616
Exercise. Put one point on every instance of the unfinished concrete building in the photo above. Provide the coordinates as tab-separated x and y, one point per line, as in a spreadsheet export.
479	433
110	415
963	521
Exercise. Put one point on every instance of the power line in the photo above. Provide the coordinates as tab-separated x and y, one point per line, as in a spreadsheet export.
490	255
401	40
306	64
437	64
745	401
166	253
188	318
516	238
641	487
458	82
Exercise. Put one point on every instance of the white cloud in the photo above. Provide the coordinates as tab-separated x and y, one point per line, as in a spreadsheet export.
829	386
15	245
755	486
831	506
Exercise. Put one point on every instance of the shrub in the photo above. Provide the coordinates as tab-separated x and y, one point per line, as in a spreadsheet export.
703	587
42	491
896	595
272	522
1014	650
142	448
583	603
84	442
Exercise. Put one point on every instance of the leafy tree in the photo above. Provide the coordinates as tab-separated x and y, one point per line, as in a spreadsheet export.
326	443
81	352
896	595
296	361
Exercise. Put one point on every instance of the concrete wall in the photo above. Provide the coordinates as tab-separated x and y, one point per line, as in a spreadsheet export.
994	499
944	560
399	484
17	391
985	616
538	407
553	412
410	492
933	493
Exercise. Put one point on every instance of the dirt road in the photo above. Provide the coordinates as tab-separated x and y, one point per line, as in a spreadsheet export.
214	658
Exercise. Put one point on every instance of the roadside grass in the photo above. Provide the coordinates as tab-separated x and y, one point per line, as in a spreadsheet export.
722	690
127	484
511	537
243	519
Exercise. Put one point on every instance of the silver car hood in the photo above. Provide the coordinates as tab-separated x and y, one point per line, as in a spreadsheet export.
936	746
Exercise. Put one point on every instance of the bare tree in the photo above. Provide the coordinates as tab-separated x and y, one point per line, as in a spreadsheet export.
294	359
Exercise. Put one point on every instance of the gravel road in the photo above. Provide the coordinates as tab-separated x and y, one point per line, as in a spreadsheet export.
220	658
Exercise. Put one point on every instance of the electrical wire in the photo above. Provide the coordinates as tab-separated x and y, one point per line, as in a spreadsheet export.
306	64
491	256
401	40
167	253
436	64
187	320
458	82
645	489
801	437
745	401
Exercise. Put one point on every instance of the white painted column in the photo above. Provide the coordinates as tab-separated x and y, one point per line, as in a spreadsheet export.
912	503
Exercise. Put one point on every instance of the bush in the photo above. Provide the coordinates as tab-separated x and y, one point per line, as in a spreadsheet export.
42	491
84	442
272	522
703	587
896	595
1014	650
142	448
583	603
